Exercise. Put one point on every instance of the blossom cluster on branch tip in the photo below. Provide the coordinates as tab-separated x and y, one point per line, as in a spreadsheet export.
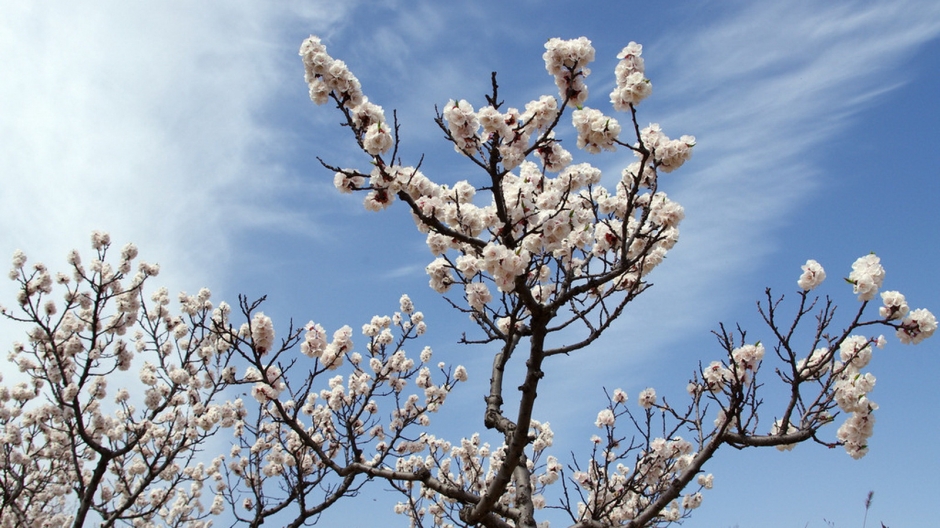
867	276
813	275
632	84
852	386
327	76
567	61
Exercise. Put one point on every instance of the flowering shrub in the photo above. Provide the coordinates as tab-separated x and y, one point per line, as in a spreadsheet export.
84	442
540	255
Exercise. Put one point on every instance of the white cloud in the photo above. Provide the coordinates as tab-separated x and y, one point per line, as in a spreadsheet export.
143	120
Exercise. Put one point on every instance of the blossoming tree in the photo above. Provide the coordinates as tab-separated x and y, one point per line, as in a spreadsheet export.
540	255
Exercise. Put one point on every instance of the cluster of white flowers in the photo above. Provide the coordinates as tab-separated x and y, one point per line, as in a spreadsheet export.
851	394
715	376
813	275
669	154
867	276
917	326
605	418
463	125
262	333
595	130
746	360
743	363
852	386
325	76
567	61
647	398
632	85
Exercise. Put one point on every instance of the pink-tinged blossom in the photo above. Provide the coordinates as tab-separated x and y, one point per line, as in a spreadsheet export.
406	305
632	85
665	212
478	295
813	275
377	200
668	154
148	374
378	139
895	305
706	481
319	92
469	266
19	259
494	123
619	396
747	358
367	114
634	88
439	272
314	340
542	293
630	60
595	130
566	60
346	183
262	333
647	398
671	513
314	57
605	418
100	240
463	125
917	326
855	350
855	432
851	391
561	55
426	353
716	375
690	502
554	157
325	74
867	276
539	114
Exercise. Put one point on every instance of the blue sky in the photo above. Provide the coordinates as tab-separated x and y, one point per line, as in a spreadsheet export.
186	128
